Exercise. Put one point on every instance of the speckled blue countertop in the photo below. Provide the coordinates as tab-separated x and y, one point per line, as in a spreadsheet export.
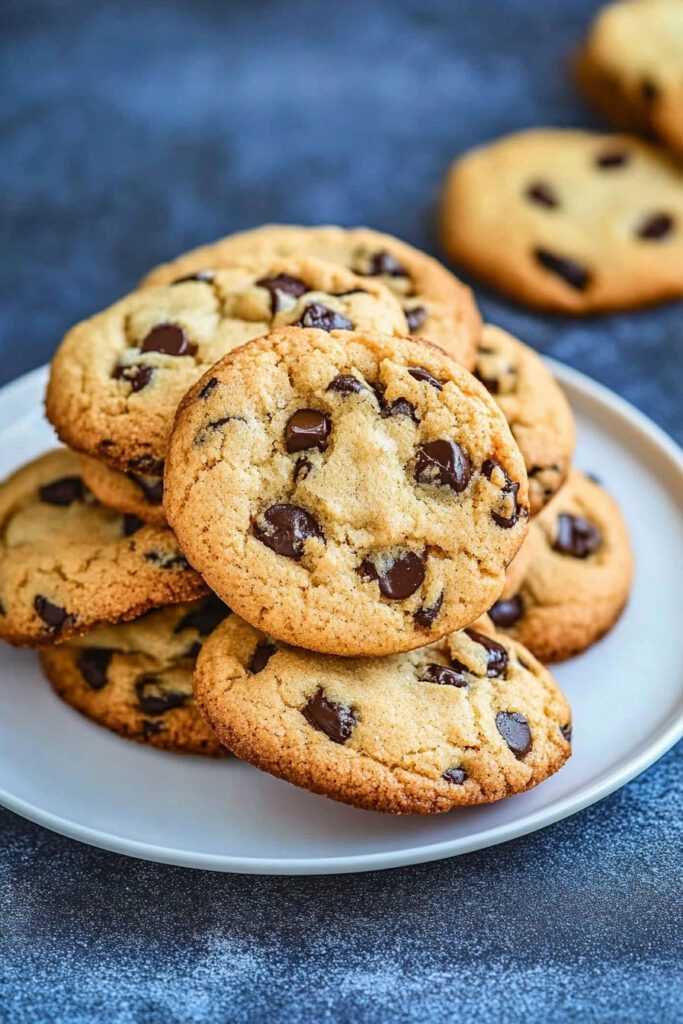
130	132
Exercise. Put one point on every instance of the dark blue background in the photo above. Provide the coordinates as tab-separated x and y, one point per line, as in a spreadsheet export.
129	132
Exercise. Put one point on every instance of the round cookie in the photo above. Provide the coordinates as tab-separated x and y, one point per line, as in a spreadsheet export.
579	578
350	493
630	67
68	564
117	378
437	305
137	494
568	220
136	678
534	404
469	720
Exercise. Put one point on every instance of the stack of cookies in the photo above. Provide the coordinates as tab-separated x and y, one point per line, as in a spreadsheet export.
299	473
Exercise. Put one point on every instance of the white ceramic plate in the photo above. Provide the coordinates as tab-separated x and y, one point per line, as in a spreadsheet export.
63	772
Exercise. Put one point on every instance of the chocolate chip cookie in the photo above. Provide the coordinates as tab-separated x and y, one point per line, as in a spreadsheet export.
136	678
630	67
471	719
437	305
351	493
535	407
568	220
579	576
117	378
137	494
68	564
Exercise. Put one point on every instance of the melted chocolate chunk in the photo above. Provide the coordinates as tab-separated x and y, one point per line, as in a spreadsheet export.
444	675
93	665
302	468
152	487
52	615
445	463
262	655
131	524
62	492
383	262
497	655
193	650
206	618
346	384
573	273
169	339
336	720
426	615
455	775
576	536
307	428
323	318
204	276
282	284
506	612
399	407
509	487
399	577
285	529
656	227
211	385
167	561
566	731
541	193
419	373
515	730
415	317
148	464
611	159
154	699
138	376
492	384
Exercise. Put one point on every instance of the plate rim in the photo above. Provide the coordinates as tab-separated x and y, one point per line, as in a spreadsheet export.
619	776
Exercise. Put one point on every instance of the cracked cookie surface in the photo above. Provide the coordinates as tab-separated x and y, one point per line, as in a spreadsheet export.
630	67
579	574
349	493
117	378
68	564
138	494
437	305
471	719
568	220
135	678
535	407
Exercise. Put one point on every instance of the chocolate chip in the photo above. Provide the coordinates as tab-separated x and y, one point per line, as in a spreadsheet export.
566	731
205	618
346	384
399	576
455	775
506	612
509	487
93	665
492	384
542	194
204	276
131	524
168	339
262	655
167	561
419	373
399	407
151	486
656	226
415	317
193	650
282	284
612	159
154	699
445	463
307	428
211	385
148	464
576	536
62	492
151	728
323	318
497	655
52	615
515	730
302	468
336	720
383	262
285	529
444	675
138	375
575	275
426	615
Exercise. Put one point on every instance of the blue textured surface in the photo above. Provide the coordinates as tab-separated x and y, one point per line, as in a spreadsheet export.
132	131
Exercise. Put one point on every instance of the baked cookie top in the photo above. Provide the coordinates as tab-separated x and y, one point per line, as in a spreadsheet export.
136	678
117	378
68	564
437	305
468	720
579	573
568	220
350	493
630	66
535	407
138	494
